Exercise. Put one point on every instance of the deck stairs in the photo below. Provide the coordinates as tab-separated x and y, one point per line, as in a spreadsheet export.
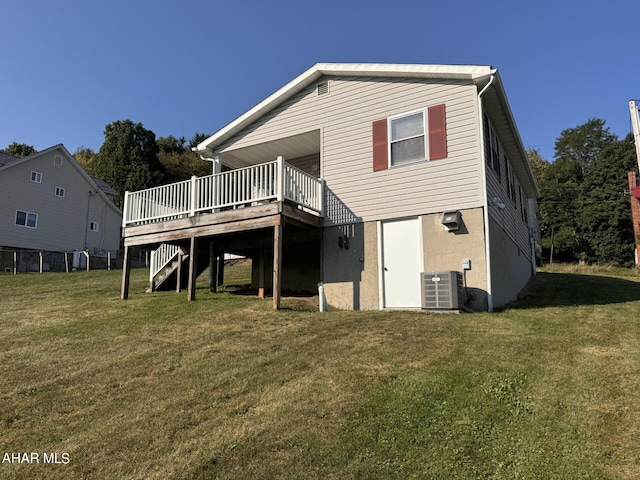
164	275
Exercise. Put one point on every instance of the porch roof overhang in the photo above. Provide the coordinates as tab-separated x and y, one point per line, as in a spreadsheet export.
295	146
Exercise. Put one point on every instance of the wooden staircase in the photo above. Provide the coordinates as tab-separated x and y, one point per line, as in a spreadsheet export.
167	278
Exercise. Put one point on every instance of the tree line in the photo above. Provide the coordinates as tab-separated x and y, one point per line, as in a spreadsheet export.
584	210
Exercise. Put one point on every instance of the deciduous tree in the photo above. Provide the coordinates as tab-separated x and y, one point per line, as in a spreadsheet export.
19	150
128	158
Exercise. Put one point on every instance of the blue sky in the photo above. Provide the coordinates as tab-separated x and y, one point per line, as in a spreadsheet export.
70	67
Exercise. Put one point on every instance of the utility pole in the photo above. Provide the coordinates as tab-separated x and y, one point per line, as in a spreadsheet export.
635	122
633	183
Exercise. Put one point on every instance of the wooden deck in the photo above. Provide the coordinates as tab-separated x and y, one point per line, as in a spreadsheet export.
239	230
224	208
225	222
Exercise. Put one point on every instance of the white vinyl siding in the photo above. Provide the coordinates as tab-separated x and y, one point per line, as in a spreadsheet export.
354	190
509	219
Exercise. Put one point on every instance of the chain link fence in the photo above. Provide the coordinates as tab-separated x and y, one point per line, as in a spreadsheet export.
15	261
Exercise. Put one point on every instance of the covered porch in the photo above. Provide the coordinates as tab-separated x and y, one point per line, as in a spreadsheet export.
252	211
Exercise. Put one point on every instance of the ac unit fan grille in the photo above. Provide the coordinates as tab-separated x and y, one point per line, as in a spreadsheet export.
441	290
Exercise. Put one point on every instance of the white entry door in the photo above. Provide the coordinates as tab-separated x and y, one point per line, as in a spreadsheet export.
401	263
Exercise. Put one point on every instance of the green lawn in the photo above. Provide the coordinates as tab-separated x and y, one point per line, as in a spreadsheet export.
224	387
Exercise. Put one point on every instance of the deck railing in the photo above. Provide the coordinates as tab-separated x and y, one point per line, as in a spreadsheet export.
269	181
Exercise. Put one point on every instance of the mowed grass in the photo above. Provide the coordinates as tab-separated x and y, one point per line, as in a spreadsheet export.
224	387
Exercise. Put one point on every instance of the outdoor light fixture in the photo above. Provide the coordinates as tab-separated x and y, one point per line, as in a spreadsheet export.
496	202
451	220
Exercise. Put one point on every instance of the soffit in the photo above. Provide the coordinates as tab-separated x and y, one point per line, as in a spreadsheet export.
295	146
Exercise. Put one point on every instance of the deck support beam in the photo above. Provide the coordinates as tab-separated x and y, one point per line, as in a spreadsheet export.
220	269
126	273
261	271
212	267
179	271
277	264
192	270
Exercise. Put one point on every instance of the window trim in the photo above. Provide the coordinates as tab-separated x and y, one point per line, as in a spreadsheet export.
36	177
94	226
26	219
60	192
425	135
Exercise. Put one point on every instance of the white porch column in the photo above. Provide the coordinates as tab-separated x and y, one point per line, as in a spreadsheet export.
280	179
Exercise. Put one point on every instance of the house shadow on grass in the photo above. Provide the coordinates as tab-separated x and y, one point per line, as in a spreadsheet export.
569	289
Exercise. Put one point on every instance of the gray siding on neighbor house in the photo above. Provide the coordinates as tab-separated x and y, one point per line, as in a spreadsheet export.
63	223
354	191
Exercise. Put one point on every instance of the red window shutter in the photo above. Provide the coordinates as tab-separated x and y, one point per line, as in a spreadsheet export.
380	145
437	132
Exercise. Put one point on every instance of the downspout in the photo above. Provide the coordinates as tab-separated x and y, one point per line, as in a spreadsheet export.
485	204
86	221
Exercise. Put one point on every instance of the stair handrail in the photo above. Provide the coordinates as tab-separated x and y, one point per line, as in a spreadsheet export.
161	257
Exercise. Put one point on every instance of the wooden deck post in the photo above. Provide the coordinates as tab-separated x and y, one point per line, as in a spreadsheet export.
277	264
179	271
261	273
221	269
192	270
126	273
212	267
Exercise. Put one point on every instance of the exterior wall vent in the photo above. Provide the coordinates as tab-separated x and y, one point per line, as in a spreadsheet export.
57	161
442	290
322	89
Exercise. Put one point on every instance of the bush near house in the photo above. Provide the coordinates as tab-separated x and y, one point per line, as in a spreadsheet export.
225	387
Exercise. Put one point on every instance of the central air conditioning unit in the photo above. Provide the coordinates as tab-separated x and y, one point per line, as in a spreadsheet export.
442	290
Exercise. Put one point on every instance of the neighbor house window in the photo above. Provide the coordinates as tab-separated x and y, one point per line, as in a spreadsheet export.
36	177
94	226
26	219
411	137
59	192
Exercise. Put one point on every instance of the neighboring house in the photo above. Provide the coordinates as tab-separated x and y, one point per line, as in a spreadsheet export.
49	203
383	172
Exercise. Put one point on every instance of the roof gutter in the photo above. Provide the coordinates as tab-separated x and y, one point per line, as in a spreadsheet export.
485	192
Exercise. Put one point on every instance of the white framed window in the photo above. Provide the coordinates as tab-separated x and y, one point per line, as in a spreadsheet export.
26	219
59	192
94	226
57	160
407	138
491	146
36	177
